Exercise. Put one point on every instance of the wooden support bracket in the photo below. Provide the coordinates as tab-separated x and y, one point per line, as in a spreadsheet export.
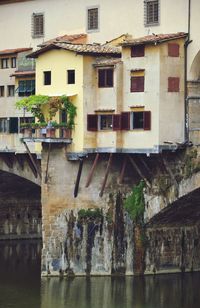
20	160
106	175
121	177
78	177
32	160
47	166
171	174
92	170
139	171
8	160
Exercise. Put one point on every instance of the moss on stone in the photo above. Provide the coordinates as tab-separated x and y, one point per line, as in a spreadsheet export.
90	213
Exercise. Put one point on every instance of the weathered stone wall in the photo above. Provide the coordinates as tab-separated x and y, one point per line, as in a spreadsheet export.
172	249
20	219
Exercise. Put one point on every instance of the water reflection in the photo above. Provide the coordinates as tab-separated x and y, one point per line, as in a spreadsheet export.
21	286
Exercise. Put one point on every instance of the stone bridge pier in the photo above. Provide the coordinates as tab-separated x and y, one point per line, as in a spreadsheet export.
86	229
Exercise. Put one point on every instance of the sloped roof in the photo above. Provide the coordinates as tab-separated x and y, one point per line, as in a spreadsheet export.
73	38
153	39
13	51
107	62
95	49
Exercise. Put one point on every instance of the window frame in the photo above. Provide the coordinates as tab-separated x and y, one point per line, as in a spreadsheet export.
24	83
13	60
88	9
72	77
6	61
148	23
109	126
46	82
146	121
2	91
9	87
103	73
35	32
140	87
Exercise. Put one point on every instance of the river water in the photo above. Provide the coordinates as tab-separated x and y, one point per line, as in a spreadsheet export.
22	287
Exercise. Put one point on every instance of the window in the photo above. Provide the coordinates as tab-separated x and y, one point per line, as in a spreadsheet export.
105	78
105	122
4	63
11	90
141	120
151	12
93	19
13	62
173	50
173	84
137	51
1	91
37	25
13	125
47	78
26	88
4	125
71	76
137	82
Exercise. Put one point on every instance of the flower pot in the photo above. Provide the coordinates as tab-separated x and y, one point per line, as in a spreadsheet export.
66	133
51	132
27	132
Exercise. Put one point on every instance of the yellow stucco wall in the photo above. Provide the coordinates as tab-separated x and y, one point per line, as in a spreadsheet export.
58	62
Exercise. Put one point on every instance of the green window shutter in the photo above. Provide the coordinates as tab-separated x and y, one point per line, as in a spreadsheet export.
13	126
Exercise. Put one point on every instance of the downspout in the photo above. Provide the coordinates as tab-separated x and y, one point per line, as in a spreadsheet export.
187	42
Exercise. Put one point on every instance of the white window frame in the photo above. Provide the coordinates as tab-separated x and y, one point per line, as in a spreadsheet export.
87	18
154	23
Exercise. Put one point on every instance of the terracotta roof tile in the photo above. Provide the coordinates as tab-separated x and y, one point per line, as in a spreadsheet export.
152	39
23	73
80	49
107	62
73	38
13	51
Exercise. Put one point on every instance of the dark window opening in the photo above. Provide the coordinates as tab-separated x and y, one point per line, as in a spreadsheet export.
4	125
1	91
11	90
105	78
106	122
138	120
137	51
13	125
13	62
93	17
71	76
4	63
47	78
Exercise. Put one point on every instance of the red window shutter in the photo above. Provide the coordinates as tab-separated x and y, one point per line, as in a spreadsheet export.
116	122
173	50
125	120
92	122
137	84
173	84
137	51
147	120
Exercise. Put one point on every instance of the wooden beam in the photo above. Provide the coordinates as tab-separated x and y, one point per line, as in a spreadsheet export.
20	160
139	171
145	165
121	177
29	162
167	166
106	175
78	177
32	159
47	166
92	170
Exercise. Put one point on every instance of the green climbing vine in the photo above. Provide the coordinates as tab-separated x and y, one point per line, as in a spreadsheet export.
135	204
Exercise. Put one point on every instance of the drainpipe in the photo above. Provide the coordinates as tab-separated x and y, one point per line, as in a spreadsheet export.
187	42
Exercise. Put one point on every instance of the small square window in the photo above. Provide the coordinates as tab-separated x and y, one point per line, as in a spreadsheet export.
4	63
105	78
137	51
11	90
71	76
13	62
1	91
173	50
137	83
138	120
47	78
106	122
37	25
93	19
151	12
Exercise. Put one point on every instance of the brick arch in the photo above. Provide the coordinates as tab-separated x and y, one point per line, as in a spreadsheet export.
158	203
21	166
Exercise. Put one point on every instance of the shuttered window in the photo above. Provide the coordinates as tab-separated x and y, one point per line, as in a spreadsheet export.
93	19
92	122
173	50
137	83
151	12
137	51
173	84
125	120
147	120
37	25
116	122
13	126
26	88
105	78
141	120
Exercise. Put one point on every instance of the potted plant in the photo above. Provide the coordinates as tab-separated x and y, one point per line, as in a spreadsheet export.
26	129
51	129
66	131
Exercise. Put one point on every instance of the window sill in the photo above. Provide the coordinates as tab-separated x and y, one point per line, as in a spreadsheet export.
153	24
